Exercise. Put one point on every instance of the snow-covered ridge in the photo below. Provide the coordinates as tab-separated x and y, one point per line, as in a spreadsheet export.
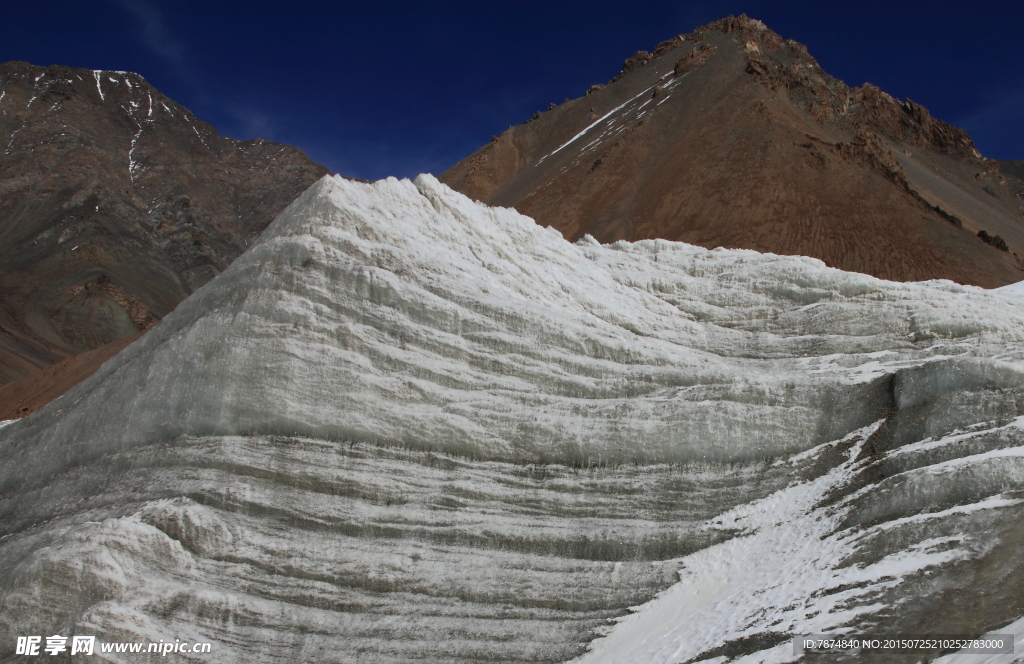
500	340
400	402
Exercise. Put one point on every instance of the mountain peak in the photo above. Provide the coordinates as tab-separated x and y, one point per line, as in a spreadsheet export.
777	63
734	136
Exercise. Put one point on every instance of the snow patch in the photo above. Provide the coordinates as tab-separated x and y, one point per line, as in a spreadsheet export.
99	87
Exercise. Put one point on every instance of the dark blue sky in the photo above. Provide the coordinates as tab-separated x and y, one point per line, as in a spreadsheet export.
372	89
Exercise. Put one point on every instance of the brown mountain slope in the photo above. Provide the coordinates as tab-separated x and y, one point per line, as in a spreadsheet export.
115	204
28	394
731	136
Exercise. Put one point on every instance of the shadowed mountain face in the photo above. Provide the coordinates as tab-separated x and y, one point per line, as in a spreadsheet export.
732	136
115	204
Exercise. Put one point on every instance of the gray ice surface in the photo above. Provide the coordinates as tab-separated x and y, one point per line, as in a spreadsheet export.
408	427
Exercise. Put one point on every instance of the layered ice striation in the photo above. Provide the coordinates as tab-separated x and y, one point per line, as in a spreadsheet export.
405	426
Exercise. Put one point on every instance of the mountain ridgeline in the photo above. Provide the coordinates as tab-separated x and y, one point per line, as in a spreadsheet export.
733	136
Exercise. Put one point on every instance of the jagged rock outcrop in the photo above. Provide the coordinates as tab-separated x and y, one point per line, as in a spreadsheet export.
994	240
115	204
734	136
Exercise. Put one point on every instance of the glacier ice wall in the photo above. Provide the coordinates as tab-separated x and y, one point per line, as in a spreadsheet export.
405	425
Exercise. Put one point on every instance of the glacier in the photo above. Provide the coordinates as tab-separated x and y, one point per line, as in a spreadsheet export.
405	426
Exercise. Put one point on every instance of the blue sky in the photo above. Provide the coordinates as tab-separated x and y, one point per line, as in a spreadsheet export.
372	89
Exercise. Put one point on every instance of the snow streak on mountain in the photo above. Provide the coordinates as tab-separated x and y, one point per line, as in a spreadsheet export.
407	426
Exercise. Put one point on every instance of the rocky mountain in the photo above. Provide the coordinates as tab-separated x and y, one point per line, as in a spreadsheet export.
733	136
404	426
116	203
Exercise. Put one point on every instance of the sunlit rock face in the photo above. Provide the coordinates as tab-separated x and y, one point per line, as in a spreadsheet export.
406	426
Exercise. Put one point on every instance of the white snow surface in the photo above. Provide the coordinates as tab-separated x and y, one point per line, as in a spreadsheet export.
1013	289
405	424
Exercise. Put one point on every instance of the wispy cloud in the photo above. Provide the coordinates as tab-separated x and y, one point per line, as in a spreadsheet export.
154	33
248	123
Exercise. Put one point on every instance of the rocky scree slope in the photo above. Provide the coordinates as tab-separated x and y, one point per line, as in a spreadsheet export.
406	426
115	204
733	136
